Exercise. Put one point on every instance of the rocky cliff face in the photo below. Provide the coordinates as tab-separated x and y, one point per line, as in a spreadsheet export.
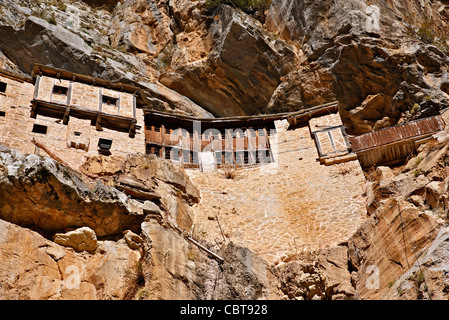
384	57
384	61
124	235
403	244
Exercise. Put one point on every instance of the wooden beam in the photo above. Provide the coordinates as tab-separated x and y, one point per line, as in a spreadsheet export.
49	152
213	254
132	128
33	112
65	119
98	126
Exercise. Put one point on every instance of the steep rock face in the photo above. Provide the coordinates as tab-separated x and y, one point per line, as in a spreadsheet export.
149	178
36	268
427	278
398	252
39	192
323	275
117	45
388	244
386	50
140	26
105	258
180	270
59	44
243	59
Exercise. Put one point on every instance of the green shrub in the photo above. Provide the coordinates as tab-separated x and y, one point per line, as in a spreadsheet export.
415	108
426	32
417	173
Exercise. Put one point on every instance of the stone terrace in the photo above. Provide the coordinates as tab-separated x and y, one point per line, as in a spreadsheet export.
282	209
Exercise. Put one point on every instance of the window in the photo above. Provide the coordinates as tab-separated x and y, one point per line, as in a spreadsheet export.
3	87
77	133
104	146
60	90
153	149
37	128
2	114
110	101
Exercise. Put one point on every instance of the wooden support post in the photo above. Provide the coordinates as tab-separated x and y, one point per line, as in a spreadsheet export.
65	120
100	100
33	113
118	103
98	126
69	95
162	152
134	104
36	87
132	128
219	226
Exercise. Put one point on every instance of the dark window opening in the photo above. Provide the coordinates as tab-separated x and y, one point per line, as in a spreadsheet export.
218	157
264	156
110	101
3	87
186	156
154	149
77	133
2	114
228	158
60	90
195	158
37	128
174	154
104	146
240	158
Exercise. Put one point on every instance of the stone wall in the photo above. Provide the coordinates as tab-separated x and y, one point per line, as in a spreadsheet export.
278	210
70	142
86	96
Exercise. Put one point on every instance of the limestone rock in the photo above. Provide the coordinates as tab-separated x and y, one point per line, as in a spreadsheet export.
242	60
433	193
44	270
58	42
322	275
352	39
427	278
39	192
142	26
151	208
384	173
133	240
173	190
184	271
80	239
378	247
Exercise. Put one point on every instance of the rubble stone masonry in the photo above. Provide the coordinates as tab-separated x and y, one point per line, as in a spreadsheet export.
70	142
295	205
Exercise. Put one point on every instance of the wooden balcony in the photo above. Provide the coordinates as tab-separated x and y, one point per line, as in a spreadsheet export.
98	119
